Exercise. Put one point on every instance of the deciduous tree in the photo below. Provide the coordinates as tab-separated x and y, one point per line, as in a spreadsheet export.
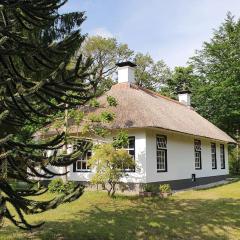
217	66
109	162
150	74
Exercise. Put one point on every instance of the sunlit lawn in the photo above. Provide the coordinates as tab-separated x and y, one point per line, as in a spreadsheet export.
207	214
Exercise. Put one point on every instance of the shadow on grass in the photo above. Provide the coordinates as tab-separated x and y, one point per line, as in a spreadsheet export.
146	219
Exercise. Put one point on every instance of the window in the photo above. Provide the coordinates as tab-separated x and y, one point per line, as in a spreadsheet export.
213	154
131	151
161	153
222	156
198	159
81	164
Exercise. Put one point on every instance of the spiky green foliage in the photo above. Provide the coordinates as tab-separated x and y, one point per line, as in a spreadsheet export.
36	46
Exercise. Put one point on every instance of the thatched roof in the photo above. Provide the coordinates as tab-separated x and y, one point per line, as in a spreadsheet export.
141	108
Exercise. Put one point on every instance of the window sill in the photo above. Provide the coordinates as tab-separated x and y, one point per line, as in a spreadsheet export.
198	168
161	171
83	171
214	168
223	168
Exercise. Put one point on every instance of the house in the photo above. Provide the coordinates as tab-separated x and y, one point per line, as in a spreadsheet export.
169	140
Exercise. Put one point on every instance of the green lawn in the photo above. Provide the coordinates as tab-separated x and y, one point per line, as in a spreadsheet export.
207	214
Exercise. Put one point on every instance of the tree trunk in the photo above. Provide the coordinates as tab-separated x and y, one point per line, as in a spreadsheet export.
2	209
113	189
65	178
110	189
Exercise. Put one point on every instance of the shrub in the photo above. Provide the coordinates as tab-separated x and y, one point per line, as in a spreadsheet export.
69	186
150	188
109	164
20	185
165	188
234	161
58	186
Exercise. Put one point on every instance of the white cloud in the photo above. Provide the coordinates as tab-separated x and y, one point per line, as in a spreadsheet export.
103	32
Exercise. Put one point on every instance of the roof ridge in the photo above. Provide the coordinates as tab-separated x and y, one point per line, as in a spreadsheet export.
157	94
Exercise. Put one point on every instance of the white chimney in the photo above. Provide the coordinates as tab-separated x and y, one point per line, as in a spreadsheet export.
185	97
126	72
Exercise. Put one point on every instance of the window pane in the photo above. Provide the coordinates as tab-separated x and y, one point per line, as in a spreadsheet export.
161	160
213	154
79	164
161	142
132	153
197	145
84	165
88	155
131	142
222	156
197	160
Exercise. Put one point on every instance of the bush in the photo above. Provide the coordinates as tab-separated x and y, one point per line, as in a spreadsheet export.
58	186
20	185
165	188
234	161
148	187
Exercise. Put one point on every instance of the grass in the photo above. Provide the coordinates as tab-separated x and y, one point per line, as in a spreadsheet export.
204	214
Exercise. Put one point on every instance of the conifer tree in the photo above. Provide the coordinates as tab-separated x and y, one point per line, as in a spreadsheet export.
36	46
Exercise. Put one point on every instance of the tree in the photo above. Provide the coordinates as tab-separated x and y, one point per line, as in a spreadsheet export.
150	74
36	46
218	71
110	163
106	52
234	161
182	79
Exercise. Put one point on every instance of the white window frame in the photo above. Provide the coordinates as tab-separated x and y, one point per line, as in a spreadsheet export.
214	155
161	153
128	149
82	160
197	154
222	156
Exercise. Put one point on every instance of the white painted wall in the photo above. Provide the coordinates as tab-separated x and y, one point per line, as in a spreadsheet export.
140	158
180	157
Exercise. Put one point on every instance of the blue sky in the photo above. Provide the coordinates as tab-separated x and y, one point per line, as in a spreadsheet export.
166	29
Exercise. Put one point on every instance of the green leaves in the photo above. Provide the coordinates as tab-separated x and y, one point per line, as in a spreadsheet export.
121	140
150	74
107	116
217	67
94	103
182	79
109	164
112	101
